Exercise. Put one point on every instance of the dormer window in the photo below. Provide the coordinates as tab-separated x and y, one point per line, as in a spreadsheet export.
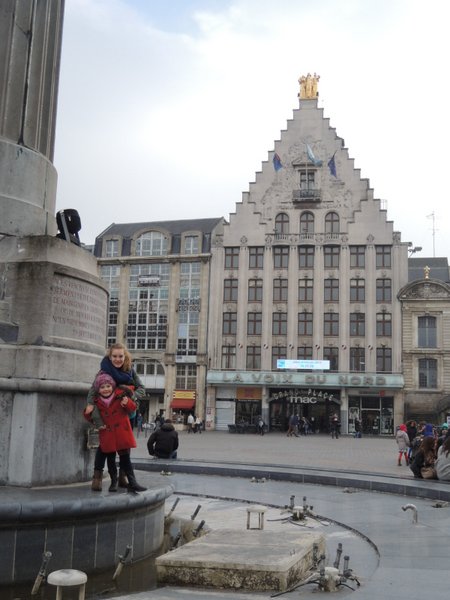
191	244
112	248
152	243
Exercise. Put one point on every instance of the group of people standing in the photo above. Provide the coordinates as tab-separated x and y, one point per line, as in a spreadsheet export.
300	426
112	405
194	424
425	449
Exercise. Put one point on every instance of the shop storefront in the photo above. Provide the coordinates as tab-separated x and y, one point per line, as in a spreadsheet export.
374	415
315	405
248	405
371	402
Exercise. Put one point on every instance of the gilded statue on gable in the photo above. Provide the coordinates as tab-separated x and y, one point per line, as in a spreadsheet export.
308	86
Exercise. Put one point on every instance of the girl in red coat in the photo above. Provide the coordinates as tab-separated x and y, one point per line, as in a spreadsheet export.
114	406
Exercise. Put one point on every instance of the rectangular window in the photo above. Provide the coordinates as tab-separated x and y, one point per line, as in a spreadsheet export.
187	347
228	357
357	290
112	248
147	326
357	324
230	290
305	323
307	179
278	353
256	257
229	323
384	324
280	290
357	359
331	324
304	353
281	257
357	257
332	354
305	290
186	377
331	290
255	290
384	360
253	361
191	244
279	323
428	373
331	257
306	257
383	257
427	332
254	323
384	290
231	258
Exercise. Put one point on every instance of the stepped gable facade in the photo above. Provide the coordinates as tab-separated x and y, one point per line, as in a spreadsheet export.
307	269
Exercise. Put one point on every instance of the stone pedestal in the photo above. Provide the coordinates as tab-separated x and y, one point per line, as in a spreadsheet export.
52	338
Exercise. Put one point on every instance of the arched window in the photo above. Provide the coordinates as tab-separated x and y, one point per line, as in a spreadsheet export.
307	222
332	223
152	243
282	223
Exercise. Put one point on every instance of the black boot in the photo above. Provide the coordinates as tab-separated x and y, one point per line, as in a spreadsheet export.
114	481
125	463
133	485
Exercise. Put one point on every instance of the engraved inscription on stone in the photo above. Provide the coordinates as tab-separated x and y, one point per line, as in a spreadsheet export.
78	310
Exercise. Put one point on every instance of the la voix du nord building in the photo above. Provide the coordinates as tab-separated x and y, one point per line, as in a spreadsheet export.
307	268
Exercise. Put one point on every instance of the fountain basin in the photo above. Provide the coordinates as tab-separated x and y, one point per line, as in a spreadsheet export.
83	530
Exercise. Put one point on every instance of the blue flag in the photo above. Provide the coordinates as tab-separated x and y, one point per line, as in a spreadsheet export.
332	166
277	162
315	161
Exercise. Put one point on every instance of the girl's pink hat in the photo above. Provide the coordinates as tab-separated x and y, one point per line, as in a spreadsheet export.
402	427
103	378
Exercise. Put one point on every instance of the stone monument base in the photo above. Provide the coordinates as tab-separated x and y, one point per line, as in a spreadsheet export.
52	336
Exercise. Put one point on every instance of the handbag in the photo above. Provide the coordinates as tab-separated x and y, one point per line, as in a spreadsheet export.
428	473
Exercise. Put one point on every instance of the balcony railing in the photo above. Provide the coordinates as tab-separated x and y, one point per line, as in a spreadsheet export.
306	195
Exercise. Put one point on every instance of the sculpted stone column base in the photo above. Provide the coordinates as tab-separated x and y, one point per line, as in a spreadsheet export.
52	336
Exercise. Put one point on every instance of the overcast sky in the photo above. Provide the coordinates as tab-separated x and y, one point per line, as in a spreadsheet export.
168	108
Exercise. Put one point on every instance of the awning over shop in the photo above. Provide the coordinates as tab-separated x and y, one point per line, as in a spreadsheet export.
183	399
182	404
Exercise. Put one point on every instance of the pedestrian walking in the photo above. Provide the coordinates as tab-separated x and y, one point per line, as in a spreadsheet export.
335	426
403	443
190	423
293	425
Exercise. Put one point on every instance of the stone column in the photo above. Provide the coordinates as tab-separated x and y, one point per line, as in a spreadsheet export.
30	50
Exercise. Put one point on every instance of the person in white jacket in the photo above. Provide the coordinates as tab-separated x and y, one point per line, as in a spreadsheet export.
442	464
402	439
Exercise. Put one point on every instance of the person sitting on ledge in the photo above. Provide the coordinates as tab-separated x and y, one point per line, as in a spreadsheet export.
442	463
163	443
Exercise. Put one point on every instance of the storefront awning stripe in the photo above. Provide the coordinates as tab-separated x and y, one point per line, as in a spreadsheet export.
182	404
